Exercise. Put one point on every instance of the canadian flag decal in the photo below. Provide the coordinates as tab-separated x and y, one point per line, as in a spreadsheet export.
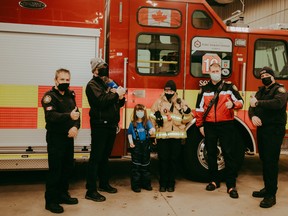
159	17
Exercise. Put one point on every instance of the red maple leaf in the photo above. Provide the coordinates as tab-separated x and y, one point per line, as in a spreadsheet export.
159	17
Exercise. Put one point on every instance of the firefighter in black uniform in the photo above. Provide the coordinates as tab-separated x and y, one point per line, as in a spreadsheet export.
62	124
105	104
268	113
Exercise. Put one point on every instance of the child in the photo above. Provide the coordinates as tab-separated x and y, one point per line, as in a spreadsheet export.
139	131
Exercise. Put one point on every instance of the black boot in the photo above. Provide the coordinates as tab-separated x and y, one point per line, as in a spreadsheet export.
95	196
67	199
54	207
268	202
107	188
259	194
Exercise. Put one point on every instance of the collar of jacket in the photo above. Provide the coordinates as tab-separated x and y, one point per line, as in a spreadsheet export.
58	93
264	88
217	84
100	81
97	78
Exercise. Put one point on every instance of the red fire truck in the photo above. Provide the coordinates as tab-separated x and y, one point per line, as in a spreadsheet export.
145	43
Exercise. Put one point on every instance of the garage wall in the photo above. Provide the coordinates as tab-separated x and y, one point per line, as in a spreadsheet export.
257	13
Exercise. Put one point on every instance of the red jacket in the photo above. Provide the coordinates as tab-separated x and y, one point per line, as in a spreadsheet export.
219	112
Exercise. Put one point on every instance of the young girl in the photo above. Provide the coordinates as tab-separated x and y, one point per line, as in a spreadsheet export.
139	131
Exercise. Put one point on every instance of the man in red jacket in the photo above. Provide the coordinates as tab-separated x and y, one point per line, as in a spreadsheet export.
215	119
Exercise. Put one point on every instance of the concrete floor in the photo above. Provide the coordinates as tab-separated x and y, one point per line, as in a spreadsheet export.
22	193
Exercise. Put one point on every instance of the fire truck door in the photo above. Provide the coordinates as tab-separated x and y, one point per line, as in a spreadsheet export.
156	50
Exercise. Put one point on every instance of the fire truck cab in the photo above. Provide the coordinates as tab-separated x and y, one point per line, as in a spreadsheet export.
145	44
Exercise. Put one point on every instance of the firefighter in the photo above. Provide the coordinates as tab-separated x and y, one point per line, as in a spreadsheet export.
62	123
169	114
105	103
267	112
215	107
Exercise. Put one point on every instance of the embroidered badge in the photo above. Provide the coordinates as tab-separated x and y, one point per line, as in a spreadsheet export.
282	90
47	99
49	108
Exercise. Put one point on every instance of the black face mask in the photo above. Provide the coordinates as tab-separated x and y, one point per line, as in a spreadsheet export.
63	86
169	96
266	81
103	72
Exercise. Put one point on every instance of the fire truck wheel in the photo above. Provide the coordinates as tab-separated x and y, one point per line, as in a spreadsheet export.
195	156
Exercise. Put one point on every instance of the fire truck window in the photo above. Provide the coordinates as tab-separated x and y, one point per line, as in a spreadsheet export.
201	20
271	53
159	17
158	54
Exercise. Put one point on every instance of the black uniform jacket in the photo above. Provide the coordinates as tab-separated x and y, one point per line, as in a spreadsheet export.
271	107
104	104
57	108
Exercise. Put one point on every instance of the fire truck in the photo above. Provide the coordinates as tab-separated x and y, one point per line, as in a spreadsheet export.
146	43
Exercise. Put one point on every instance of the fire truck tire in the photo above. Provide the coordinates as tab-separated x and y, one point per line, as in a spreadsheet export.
195	156
194	169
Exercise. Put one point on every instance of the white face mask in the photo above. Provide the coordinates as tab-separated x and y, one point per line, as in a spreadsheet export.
215	76
140	114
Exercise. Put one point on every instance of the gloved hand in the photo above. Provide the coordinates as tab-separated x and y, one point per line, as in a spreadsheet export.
112	84
159	119
182	106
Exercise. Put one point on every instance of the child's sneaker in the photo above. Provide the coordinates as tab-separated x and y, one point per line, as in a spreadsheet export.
136	189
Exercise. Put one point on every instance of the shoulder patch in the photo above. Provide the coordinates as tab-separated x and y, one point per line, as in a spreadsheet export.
282	90
47	99
235	88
